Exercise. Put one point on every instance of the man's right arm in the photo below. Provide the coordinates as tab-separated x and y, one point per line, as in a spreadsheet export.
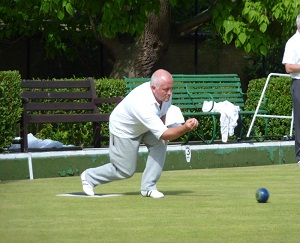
176	132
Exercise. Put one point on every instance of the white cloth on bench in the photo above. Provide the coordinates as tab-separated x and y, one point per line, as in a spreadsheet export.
174	117
229	116
36	143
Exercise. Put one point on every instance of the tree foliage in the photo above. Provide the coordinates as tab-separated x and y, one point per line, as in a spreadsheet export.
253	24
113	17
66	25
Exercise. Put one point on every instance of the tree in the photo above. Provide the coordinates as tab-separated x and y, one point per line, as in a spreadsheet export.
137	32
254	25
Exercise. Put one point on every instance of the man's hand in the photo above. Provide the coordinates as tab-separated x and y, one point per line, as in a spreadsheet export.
292	68
191	124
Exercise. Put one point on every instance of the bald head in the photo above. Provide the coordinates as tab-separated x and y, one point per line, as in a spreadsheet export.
159	77
161	85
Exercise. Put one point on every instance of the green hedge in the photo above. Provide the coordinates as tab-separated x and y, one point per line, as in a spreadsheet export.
10	106
278	102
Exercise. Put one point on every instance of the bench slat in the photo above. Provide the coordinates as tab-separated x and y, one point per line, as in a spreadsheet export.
55	84
177	95
57	95
33	106
222	75
185	104
67	118
206	79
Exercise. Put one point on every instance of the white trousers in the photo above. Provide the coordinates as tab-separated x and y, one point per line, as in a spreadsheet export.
123	153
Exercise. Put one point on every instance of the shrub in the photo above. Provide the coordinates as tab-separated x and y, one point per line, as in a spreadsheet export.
10	106
277	97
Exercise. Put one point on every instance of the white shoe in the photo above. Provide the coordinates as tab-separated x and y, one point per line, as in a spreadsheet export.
298	163
152	193
87	187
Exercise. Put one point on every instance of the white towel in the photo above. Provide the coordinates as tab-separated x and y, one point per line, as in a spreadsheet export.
229	116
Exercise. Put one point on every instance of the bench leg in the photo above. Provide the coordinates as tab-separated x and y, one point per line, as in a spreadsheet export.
239	130
258	137
24	136
96	135
213	134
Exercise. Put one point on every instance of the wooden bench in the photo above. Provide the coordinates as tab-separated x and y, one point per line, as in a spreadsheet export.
190	91
62	101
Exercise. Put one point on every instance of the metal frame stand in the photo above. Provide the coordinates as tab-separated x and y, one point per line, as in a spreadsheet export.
269	116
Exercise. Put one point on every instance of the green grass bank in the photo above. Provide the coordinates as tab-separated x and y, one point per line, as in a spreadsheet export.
16	166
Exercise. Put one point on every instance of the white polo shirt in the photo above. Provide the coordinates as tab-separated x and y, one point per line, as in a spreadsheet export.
138	113
292	52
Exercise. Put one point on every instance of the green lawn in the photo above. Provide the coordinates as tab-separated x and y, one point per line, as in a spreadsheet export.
212	205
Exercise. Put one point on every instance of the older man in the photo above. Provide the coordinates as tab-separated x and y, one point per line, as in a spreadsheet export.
291	60
139	118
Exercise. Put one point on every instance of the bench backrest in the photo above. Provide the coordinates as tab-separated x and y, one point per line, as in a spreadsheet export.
68	101
191	90
56	101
